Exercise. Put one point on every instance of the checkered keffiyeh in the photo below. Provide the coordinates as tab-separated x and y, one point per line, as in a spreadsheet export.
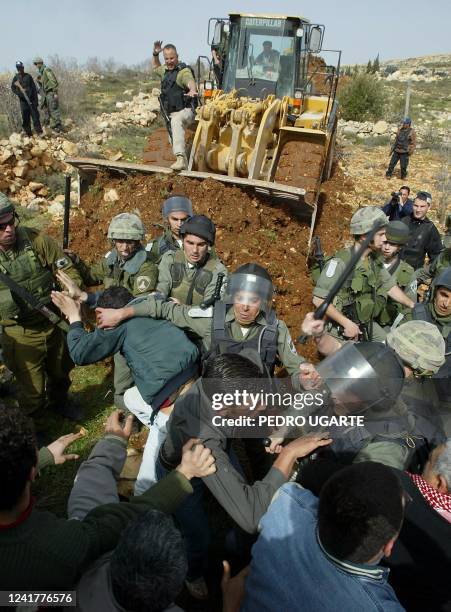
441	502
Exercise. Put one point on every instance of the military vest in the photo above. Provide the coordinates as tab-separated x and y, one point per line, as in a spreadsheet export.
443	261
172	95
265	343
359	297
122	274
161	245
190	290
403	274
27	271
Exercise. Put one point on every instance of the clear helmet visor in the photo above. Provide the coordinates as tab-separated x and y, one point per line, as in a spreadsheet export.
353	382
251	290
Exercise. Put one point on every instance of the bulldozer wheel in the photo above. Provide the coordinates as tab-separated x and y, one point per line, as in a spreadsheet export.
300	165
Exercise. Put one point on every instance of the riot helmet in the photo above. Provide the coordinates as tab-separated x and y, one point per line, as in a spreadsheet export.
248	282
362	376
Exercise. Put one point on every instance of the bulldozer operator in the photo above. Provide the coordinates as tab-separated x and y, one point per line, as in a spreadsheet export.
177	99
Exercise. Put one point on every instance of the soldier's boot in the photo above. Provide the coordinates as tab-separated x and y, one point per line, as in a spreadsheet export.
180	164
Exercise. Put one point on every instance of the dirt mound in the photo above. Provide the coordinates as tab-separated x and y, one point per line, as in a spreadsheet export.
249	229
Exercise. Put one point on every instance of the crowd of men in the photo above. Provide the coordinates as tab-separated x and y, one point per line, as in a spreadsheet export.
362	508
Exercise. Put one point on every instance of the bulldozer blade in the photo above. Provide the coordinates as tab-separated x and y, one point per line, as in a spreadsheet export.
277	190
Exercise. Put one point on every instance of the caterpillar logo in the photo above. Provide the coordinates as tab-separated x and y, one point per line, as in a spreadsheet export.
263	23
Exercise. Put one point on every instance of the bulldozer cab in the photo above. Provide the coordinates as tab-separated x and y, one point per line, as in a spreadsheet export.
265	55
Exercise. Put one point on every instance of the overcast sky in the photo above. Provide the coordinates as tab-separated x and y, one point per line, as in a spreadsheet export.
125	29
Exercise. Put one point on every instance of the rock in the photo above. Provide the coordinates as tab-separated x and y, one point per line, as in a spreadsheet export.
350	130
15	139
70	148
120	104
43	192
36	151
380	127
35	186
117	156
21	169
74	198
59	199
103	125
156	92
6	156
34	206
110	195
153	104
56	209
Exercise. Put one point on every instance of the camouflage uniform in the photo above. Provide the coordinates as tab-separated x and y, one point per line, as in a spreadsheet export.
199	323
189	283
403	274
34	348
138	274
166	242
364	295
49	88
399	414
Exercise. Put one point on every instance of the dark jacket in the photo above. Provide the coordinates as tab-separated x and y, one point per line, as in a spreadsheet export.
396	211
41	551
193	417
420	562
406	140
424	239
29	86
155	351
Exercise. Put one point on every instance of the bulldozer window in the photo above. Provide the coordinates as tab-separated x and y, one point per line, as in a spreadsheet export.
262	57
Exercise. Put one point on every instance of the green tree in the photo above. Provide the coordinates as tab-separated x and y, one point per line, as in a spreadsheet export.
376	64
369	67
362	99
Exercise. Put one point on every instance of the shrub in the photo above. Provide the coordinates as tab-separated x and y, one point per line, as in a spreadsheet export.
362	99
9	108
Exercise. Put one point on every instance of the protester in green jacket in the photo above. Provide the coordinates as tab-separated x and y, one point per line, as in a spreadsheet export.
40	551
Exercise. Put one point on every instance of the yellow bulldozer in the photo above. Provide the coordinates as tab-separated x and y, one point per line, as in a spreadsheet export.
267	113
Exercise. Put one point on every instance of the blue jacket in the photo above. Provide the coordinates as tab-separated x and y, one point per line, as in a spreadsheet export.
394	213
290	571
155	351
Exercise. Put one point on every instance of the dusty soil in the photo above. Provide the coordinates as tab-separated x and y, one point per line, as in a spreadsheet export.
249	229
300	165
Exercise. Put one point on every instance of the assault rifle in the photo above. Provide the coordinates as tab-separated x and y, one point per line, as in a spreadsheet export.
66	211
23	92
355	257
216	294
166	117
33	301
318	254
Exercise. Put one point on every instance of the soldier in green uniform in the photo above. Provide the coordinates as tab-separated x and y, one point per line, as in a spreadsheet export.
34	348
189	275
363	296
175	211
396	235
49	89
243	319
438	312
128	265
389	384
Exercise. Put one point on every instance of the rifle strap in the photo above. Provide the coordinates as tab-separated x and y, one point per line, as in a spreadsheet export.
26	296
